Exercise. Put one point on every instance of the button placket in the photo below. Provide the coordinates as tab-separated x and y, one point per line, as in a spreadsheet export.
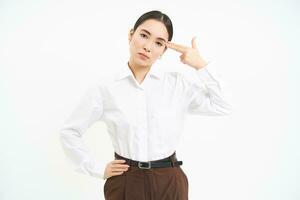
142	108
141	119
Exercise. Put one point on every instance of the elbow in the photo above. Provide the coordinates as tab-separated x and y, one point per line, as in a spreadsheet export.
63	135
63	132
68	130
66	133
225	110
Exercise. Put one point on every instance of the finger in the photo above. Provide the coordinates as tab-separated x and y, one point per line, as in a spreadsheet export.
118	161
120	165
194	44
176	47
119	169
116	173
182	58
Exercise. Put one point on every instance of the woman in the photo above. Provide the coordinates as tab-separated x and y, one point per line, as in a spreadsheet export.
144	110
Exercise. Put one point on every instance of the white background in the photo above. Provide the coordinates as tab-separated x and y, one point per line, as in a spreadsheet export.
51	51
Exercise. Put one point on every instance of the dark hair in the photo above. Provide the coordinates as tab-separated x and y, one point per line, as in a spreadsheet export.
159	16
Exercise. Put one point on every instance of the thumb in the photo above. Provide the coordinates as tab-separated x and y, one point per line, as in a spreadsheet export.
194	44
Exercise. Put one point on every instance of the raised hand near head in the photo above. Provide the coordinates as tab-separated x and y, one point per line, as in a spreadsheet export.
189	55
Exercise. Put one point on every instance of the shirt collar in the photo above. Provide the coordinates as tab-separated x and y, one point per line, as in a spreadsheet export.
126	72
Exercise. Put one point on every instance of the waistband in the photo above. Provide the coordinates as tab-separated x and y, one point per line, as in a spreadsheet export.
170	161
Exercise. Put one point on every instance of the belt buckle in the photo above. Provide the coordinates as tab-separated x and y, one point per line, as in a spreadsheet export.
141	163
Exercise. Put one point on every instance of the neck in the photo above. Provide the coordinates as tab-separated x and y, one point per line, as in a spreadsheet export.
139	72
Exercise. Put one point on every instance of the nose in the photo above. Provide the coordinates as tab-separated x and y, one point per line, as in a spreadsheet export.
147	47
147	50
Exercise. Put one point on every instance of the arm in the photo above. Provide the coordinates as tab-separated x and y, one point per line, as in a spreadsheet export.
207	98
88	111
203	99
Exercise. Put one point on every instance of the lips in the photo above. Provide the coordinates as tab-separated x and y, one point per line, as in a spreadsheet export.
144	55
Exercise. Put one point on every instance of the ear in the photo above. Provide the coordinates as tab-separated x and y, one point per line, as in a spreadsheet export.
130	35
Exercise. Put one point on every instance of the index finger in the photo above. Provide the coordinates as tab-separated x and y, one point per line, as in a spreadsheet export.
176	47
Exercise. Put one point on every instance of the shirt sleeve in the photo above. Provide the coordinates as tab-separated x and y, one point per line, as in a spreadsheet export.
88	111
206	95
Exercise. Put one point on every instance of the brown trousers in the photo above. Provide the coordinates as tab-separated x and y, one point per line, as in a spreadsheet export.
168	183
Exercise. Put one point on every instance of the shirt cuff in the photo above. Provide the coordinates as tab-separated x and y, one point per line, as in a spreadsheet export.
99	170
92	168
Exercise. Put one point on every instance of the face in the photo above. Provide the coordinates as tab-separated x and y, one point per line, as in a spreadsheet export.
148	39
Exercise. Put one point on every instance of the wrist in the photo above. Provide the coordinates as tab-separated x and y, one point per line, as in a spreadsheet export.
201	65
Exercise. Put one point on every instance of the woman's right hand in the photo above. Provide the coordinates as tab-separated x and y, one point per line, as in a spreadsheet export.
115	168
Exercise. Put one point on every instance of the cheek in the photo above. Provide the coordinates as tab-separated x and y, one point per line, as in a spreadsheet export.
133	46
158	52
137	43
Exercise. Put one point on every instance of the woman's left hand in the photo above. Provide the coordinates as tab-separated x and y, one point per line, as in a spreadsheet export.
190	55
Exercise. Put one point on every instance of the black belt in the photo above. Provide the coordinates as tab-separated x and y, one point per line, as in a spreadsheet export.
170	161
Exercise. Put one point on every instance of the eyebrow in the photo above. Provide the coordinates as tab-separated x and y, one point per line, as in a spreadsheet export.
150	34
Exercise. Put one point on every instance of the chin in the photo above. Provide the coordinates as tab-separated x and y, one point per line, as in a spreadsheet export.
143	63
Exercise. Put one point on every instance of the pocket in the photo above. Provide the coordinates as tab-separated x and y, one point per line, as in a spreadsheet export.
184	175
114	185
105	184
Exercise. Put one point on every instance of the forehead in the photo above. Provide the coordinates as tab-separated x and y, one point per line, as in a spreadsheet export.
156	28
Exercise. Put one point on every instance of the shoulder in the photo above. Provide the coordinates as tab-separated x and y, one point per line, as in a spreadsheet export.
103	81
96	87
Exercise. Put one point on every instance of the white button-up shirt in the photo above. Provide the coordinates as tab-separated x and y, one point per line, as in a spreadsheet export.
144	120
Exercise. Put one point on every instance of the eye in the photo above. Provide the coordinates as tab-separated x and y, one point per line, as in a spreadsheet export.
159	44
143	35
